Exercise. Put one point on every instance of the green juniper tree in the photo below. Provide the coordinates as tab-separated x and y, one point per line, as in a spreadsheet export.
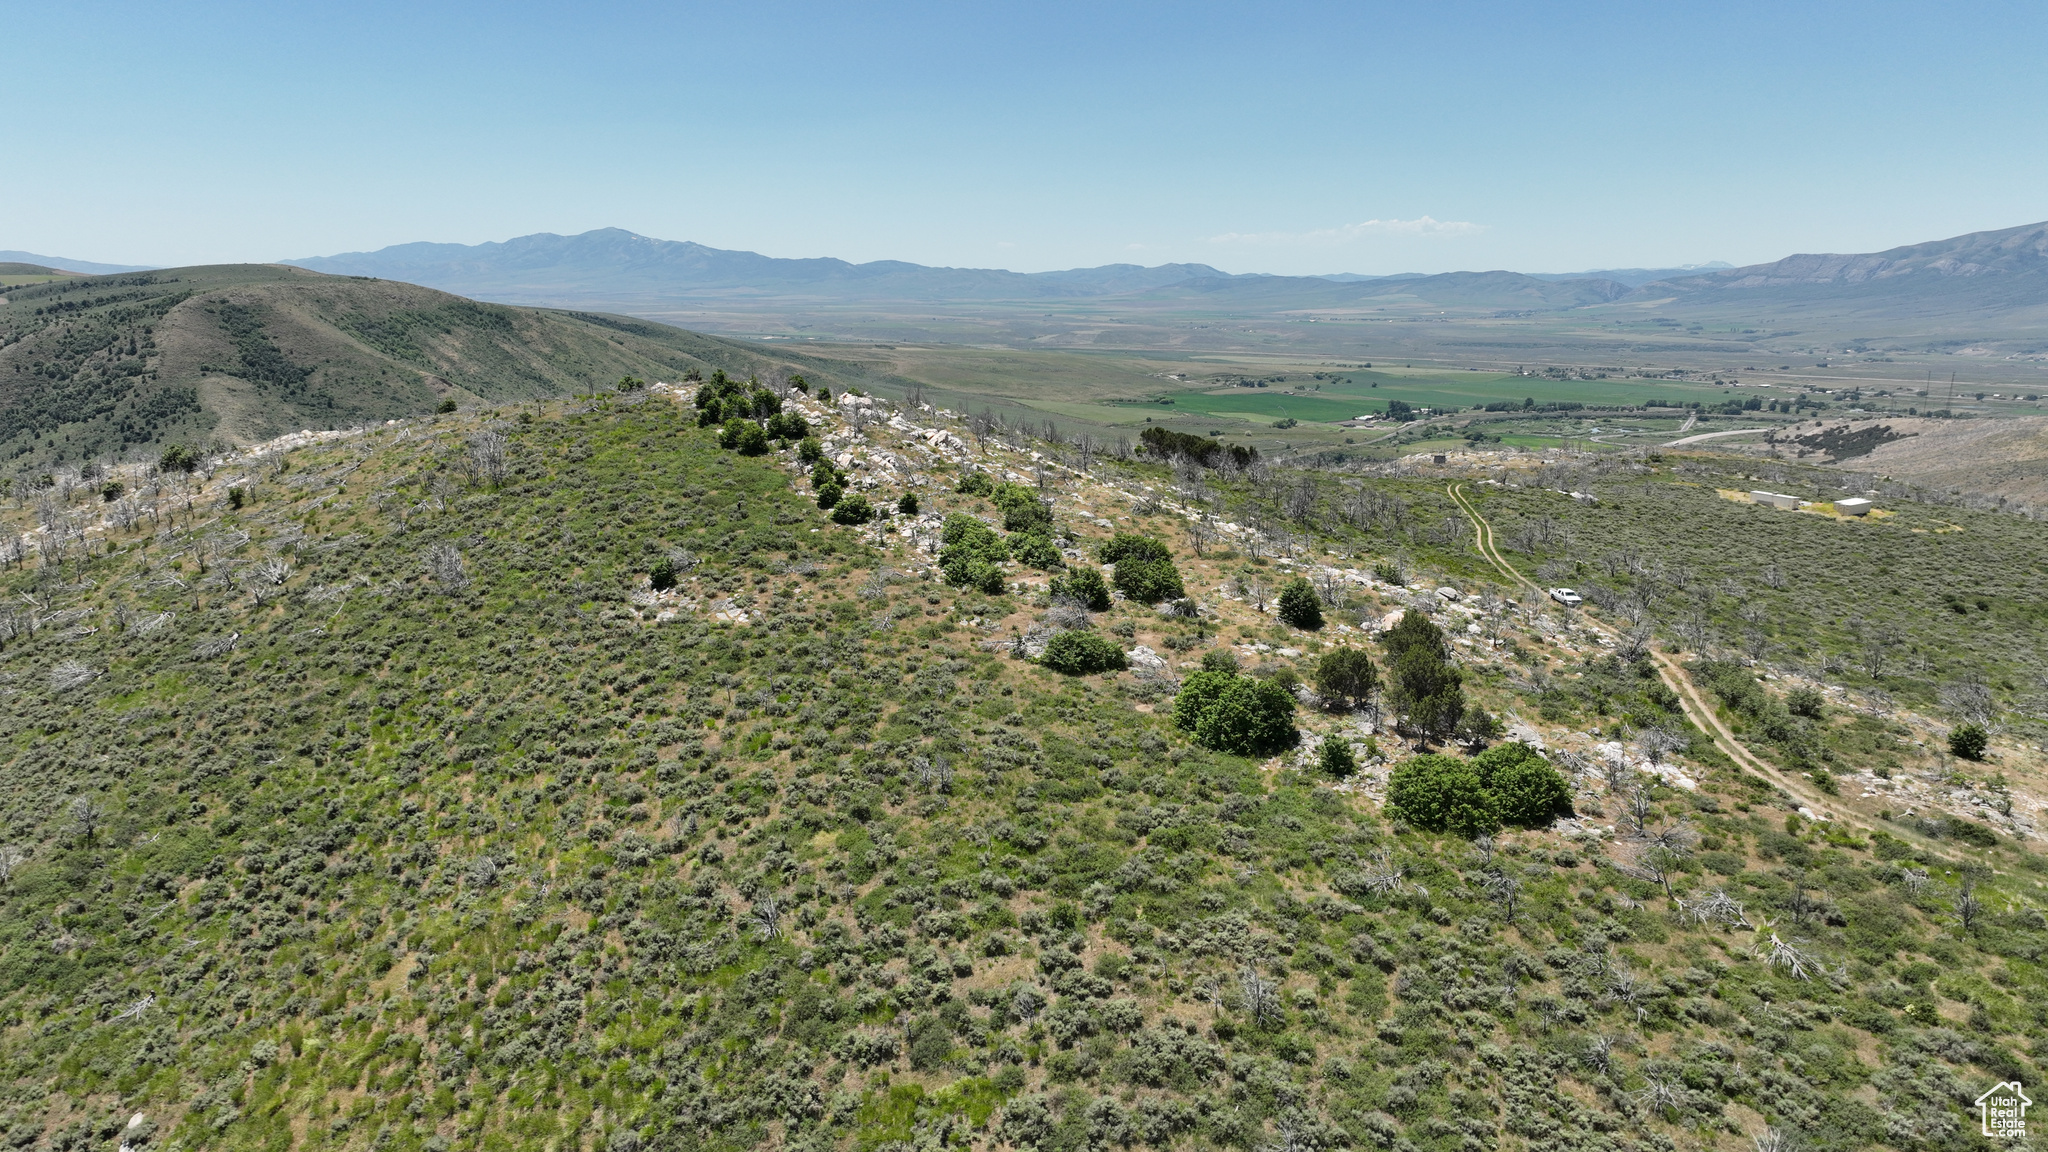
1347	677
1299	606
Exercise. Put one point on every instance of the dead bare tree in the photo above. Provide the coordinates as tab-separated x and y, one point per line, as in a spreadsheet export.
1505	891
69	674
1663	1096
1261	997
444	565
1651	861
487	451
87	816
1253	592
1695	628
1717	907
982	426
1755	642
1969	909
1634	644
1877	650
1382	875
1969	700
1637	808
767	916
1302	498
1659	742
933	773
49	508
1798	962
1804	908
217	646
1332	588
1599	1054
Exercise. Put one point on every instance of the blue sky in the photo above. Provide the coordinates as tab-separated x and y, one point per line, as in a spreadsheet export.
1294	138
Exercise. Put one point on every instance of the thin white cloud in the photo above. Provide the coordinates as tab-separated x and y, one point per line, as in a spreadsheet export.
1321	237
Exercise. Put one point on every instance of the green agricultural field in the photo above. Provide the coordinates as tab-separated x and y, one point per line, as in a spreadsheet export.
14	274
1345	397
1116	390
1260	404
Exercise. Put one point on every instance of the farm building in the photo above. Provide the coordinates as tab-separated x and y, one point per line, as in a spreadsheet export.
1853	506
1774	499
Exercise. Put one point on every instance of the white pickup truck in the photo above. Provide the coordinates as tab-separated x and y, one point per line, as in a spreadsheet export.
1567	597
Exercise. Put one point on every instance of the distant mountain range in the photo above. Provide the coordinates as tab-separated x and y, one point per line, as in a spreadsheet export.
2009	264
61	264
1635	277
610	262
2004	271
614	265
1982	270
1632	277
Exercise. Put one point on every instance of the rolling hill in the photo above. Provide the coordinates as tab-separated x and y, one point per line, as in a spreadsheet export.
616	798
98	366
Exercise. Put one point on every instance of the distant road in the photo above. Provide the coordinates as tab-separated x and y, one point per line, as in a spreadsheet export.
1711	436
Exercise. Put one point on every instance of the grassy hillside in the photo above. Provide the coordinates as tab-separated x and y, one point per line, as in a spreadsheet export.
377	801
109	366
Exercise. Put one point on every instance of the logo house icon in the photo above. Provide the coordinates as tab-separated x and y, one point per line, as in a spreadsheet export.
2003	1111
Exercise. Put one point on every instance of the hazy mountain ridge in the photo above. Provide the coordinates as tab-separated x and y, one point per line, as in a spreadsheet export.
1496	289
86	267
546	266
2021	251
1636	277
2007	267
610	262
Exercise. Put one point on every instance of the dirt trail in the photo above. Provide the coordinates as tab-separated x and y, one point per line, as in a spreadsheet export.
1690	698
1694	439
